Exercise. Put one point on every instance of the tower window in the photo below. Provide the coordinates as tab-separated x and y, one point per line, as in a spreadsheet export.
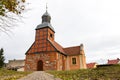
51	35
73	60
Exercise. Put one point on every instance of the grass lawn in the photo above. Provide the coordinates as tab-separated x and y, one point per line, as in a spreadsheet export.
102	73
11	75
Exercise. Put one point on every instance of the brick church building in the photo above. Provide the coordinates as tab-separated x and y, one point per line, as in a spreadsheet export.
46	54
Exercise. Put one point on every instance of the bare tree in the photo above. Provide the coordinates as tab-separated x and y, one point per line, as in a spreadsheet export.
10	10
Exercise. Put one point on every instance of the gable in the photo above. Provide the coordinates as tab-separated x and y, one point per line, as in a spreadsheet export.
50	47
41	47
31	49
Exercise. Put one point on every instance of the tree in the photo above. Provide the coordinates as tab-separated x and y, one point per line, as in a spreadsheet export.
8	11
2	59
14	6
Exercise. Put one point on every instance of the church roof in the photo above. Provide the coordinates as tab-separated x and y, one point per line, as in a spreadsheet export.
75	50
57	46
44	25
115	61
72	50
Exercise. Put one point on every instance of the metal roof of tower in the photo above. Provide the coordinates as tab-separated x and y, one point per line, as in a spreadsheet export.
45	22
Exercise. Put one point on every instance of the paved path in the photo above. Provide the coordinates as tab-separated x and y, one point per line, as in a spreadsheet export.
39	75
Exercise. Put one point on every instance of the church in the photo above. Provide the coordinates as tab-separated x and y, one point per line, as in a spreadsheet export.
46	54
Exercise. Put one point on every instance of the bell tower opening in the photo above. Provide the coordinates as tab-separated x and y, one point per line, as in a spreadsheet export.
51	35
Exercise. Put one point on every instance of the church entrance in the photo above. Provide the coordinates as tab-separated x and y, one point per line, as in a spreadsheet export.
40	65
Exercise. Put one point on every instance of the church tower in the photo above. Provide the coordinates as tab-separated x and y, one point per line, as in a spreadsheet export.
45	27
44	32
42	54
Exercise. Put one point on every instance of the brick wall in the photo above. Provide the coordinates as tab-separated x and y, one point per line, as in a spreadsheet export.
48	58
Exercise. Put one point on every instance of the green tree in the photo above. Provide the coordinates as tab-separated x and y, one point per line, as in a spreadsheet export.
2	59
9	10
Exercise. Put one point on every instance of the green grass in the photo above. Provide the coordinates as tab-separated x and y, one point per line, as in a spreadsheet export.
102	73
11	75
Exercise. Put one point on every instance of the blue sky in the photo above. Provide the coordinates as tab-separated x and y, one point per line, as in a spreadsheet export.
95	23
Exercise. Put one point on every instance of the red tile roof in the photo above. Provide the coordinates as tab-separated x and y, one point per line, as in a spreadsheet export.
67	51
57	46
91	65
115	61
72	50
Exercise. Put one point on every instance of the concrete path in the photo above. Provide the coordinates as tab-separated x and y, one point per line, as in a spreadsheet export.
39	75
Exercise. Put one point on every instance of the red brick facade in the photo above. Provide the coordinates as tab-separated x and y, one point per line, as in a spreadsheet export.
46	54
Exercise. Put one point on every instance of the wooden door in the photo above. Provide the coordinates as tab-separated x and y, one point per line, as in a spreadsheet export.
40	65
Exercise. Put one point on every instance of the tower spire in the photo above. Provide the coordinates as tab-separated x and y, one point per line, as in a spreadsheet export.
46	18
46	7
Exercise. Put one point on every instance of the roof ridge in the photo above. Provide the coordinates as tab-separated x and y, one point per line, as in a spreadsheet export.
57	46
92	63
72	47
112	59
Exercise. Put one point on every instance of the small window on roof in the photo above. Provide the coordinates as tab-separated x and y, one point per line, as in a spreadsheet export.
73	60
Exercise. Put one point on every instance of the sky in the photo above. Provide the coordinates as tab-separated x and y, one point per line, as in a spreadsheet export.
95	23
